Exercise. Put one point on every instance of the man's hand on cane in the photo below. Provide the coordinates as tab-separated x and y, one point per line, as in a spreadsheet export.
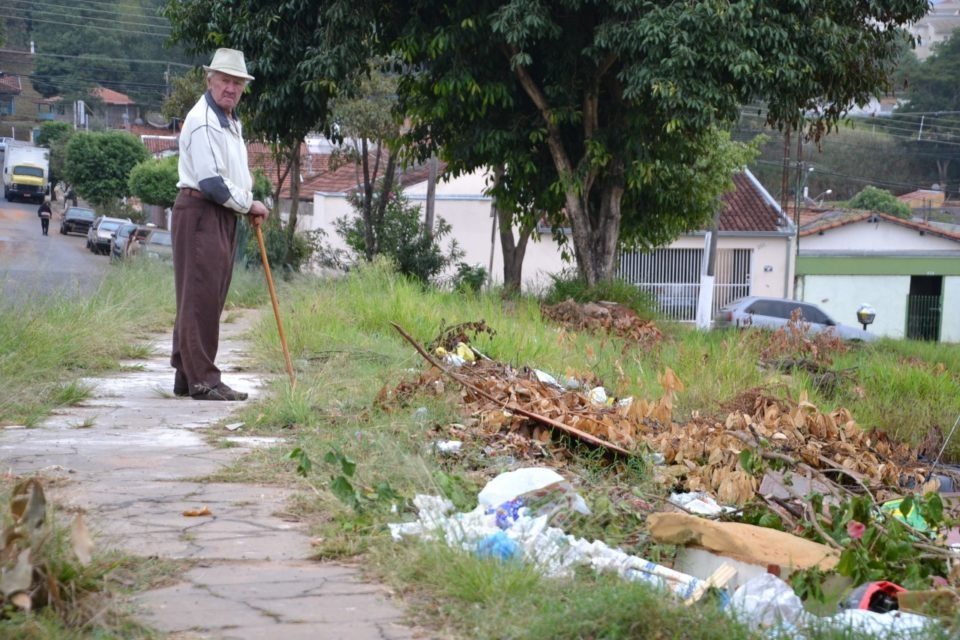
258	213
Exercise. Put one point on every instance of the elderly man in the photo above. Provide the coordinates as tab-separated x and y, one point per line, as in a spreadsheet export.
214	185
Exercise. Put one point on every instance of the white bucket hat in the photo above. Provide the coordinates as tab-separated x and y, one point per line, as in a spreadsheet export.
230	62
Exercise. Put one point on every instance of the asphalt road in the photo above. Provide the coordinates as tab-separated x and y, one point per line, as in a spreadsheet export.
32	264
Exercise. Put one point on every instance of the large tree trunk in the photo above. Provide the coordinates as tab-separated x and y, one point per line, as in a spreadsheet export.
369	226
596	233
513	249
513	252
592	199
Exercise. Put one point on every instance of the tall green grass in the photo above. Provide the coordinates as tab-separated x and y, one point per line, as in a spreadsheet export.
49	346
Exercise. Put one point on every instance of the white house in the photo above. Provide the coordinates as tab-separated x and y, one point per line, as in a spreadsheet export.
908	271
755	248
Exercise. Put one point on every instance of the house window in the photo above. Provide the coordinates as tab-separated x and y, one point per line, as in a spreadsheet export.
6	106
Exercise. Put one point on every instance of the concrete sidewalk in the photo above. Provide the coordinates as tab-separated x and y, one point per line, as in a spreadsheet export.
130	457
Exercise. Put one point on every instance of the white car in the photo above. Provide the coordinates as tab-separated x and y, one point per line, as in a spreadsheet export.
773	313
101	233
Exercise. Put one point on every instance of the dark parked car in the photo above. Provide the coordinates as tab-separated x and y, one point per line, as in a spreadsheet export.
773	313
120	243
99	235
77	220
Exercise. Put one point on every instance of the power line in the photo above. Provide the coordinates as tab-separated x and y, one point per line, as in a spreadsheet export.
117	16
90	26
843	176
95	3
88	5
61	55
76	82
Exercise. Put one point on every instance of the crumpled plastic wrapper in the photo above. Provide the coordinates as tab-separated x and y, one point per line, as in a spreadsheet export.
550	548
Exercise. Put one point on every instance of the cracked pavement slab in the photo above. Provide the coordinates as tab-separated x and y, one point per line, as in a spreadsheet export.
127	457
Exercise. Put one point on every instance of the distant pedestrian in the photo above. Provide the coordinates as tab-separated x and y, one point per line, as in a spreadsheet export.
71	196
215	188
45	212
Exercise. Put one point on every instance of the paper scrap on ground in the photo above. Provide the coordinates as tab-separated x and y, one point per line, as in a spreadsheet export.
699	502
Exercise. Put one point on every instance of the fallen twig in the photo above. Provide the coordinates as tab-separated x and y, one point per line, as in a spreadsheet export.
812	518
554	424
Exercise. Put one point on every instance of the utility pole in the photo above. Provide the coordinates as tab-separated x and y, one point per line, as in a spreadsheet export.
784	179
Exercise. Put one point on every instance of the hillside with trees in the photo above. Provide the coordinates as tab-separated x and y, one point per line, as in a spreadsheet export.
118	44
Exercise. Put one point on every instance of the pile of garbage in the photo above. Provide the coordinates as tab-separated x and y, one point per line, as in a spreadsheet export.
607	317
765	452
512	523
698	455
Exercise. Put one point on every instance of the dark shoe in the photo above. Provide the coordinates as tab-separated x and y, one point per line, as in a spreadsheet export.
219	392
180	387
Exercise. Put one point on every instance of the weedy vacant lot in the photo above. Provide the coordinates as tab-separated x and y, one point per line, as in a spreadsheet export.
361	428
361	424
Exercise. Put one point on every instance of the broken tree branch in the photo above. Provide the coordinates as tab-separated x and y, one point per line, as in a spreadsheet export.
583	436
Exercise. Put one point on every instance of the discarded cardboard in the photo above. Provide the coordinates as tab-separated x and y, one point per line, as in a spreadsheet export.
745	542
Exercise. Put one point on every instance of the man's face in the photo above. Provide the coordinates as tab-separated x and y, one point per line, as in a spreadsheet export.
226	90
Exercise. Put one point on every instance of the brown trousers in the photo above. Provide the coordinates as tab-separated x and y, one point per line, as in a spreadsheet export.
204	236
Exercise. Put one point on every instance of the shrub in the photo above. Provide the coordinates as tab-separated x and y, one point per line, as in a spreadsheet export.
275	240
874	199
400	237
155	181
568	284
469	278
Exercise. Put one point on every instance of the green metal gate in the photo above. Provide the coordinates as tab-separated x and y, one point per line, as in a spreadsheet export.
923	317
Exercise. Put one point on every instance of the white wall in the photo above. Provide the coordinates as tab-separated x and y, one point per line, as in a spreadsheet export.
468	214
874	237
841	296
950	318
460	202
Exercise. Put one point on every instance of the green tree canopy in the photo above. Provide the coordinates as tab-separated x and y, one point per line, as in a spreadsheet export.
185	90
617	103
286	48
52	131
99	165
155	181
55	136
874	199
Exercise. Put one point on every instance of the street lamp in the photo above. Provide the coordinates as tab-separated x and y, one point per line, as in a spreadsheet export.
866	315
819	199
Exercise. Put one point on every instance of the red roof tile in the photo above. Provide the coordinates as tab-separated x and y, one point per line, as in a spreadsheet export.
10	84
158	144
835	219
746	209
109	96
259	156
346	178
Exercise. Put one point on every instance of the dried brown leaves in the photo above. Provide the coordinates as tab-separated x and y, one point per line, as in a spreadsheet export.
699	455
608	317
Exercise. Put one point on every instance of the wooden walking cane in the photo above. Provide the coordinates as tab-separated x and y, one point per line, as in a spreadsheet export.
276	306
